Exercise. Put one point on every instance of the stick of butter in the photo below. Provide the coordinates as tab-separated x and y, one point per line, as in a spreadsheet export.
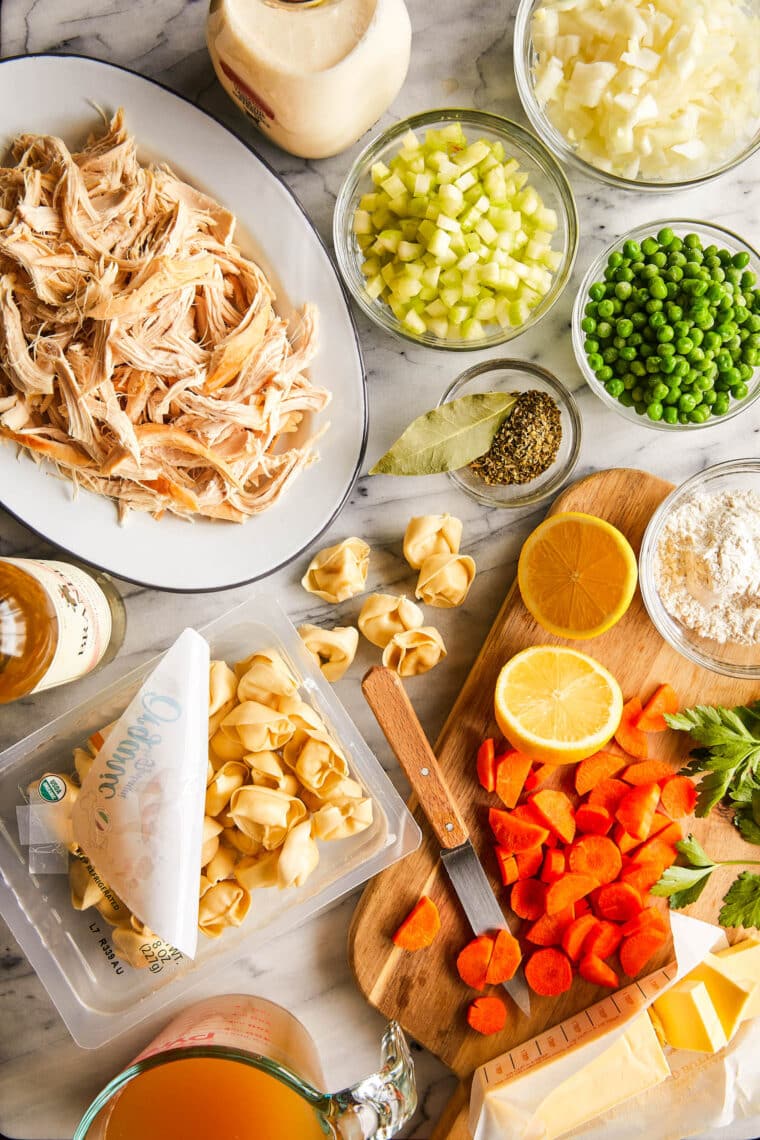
704	1009
741	963
689	1019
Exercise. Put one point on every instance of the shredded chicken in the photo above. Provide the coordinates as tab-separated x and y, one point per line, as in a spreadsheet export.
140	351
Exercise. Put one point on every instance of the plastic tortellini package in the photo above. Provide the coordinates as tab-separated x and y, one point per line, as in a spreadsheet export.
431	534
384	615
332	649
414	651
445	580
338	572
277	786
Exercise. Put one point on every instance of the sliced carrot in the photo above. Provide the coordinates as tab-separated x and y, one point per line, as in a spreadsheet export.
554	866
537	776
642	876
472	961
486	765
635	811
630	738
679	796
594	970
514	833
529	814
507	866
593	819
567	890
582	906
528	862
659	822
655	851
549	928
548	972
597	856
671	834
575	935
623	841
505	959
420	926
556	813
487	1015
528	899
650	918
596	768
603	940
652	718
511	771
618	902
638	949
608	794
647	772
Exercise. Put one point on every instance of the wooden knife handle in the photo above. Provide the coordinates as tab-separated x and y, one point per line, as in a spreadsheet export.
386	696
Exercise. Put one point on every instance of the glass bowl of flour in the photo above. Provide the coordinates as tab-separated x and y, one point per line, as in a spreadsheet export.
699	568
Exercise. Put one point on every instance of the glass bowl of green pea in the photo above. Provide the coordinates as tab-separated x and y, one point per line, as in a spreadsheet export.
666	325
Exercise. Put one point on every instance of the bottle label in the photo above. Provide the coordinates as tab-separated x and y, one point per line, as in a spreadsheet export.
84	619
252	104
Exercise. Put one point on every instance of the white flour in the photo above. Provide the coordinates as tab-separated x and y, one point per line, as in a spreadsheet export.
707	566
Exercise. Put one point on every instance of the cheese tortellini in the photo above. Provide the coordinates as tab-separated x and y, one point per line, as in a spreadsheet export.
445	579
431	534
332	649
338	572
414	651
384	615
277	783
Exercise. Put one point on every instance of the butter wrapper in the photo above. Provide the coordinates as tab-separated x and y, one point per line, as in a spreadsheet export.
139	814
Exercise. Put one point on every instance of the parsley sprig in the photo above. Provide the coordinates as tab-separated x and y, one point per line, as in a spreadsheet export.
683	884
729	758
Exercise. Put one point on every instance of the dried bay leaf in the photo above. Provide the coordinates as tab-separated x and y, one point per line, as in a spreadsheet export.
448	437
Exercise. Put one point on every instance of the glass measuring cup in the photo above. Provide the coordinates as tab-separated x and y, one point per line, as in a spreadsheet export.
242	1062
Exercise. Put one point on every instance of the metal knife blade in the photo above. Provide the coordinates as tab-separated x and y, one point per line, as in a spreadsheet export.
386	696
483	912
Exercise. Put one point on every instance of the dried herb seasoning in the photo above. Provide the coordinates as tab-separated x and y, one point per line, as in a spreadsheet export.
526	443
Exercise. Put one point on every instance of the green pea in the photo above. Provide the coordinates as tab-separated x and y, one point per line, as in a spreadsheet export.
604	330
691	241
740	260
739	391
597	291
615	387
626	399
615	259
658	288
595	361
687	402
624	327
623	290
655	410
665	334
684	345
673	396
665	236
604	373
670	415
632	249
605	309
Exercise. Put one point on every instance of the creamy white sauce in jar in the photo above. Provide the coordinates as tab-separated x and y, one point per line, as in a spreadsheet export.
315	75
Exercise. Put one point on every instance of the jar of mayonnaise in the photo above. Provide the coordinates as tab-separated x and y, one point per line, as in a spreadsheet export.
312	74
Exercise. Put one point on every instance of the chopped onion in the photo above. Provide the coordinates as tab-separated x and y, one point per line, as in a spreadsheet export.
665	88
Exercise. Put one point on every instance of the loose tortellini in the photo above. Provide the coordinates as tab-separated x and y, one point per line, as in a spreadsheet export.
338	572
276	784
414	651
384	615
445	580
431	534
332	649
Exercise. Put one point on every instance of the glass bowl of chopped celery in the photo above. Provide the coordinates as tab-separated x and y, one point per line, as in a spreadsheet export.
455	229
539	442
699	568
642	94
666	325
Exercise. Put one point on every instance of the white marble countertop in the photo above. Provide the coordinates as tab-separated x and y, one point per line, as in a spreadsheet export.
461	56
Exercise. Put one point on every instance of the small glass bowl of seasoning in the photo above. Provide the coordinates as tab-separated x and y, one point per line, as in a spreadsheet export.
535	450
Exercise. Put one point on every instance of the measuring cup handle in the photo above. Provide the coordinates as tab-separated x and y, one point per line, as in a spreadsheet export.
379	1106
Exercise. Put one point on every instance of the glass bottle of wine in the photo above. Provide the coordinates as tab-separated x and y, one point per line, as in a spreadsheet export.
58	621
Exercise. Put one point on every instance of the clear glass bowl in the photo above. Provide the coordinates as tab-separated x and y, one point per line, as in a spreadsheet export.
519	376
710	234
730	659
524	61
545	174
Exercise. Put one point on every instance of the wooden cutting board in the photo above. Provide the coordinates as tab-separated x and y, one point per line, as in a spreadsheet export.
422	991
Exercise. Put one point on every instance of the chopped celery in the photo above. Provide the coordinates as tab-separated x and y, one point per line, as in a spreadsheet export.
454	238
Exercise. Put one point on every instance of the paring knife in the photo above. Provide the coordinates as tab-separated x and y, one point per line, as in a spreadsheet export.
386	696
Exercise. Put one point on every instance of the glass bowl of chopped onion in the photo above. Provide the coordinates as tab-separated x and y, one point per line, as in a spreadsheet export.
644	95
699	568
535	450
455	229
666	325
